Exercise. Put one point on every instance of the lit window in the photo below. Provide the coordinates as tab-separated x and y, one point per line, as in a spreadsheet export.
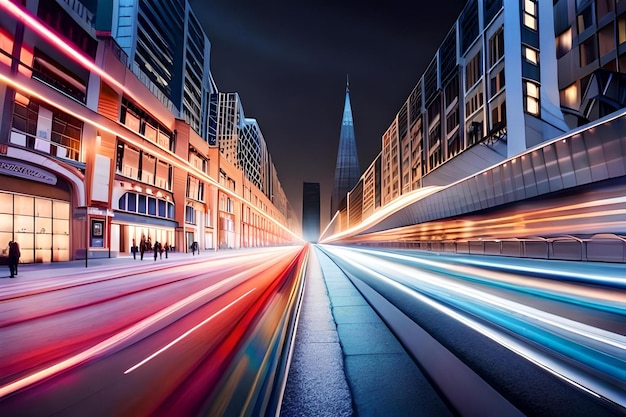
530	14
532	98
569	97
564	43
531	55
621	29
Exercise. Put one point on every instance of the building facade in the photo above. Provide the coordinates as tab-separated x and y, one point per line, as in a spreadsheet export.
99	150
507	77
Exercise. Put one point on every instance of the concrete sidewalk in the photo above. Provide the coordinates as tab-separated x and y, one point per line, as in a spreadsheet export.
58	269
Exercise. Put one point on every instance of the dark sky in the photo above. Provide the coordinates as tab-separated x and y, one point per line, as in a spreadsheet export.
289	61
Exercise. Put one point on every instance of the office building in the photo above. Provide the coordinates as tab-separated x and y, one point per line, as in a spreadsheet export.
507	77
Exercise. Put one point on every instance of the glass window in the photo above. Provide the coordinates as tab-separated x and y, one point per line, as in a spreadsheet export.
142	204
152	206
564	43
496	47
621	29
606	39
530	14
588	51
6	203
132	202
162	208
532	98
24	205
531	55
585	19
603	7
122	202
569	97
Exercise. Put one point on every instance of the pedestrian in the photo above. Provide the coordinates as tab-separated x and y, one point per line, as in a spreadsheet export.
161	251
134	249
167	249
156	249
14	257
194	246
142	247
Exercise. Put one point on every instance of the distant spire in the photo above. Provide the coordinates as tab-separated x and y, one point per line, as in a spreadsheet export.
347	171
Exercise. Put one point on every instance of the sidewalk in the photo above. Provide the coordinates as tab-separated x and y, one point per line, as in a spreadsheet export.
57	269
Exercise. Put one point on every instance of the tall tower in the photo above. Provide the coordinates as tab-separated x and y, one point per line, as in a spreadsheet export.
347	170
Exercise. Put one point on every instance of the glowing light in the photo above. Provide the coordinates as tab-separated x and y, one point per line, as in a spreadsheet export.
188	332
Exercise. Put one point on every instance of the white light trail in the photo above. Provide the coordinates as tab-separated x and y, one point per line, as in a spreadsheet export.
188	332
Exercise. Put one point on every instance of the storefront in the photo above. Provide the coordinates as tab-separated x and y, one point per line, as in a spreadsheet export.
35	207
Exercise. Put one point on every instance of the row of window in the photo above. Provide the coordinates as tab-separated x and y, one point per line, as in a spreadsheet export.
142	204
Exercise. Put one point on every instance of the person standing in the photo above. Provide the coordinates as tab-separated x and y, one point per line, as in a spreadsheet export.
167	249
133	249
14	257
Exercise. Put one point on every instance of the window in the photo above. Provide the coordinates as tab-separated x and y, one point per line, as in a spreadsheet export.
473	71
606	39
190	215
496	47
531	102
474	103
148	166
131	162
564	43
569	97
497	82
621	29
604	7
588	51
152	206
530	14
585	19
531	55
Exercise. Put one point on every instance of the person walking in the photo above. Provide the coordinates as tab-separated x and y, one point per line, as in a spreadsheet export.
160	251
156	249
133	249
167	249
14	257
142	247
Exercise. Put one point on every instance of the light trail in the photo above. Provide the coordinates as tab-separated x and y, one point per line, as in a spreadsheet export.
599	349
123	336
188	332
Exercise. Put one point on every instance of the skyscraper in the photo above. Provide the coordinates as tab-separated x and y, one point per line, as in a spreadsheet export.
311	211
347	170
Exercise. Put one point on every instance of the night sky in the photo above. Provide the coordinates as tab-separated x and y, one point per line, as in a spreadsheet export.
289	62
